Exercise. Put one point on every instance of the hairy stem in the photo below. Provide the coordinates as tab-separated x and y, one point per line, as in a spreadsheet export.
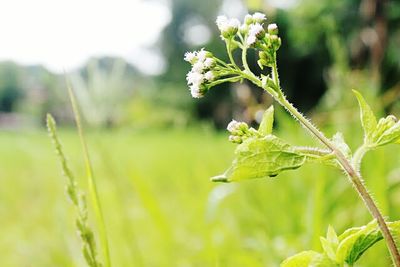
354	176
352	172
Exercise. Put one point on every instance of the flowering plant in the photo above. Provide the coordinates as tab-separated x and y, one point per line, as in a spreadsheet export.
260	153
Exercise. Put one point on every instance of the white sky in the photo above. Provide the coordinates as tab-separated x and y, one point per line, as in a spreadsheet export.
62	34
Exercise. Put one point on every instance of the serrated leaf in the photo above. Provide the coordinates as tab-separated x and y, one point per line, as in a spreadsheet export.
368	119
267	121
391	135
260	157
357	242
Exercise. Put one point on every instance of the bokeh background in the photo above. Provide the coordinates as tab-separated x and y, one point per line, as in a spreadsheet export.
154	148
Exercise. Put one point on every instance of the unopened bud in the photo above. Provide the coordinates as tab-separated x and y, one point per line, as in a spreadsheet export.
273	29
248	19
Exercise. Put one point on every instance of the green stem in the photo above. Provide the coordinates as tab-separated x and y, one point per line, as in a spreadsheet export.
91	181
354	175
244	60
358	156
228	48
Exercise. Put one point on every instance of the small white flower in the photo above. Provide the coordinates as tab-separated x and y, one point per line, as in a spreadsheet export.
273	28
209	76
209	62
248	19
259	17
201	55
255	29
234	23
194	78
228	27
233	126
222	22
198	67
190	57
243	29
195	91
251	39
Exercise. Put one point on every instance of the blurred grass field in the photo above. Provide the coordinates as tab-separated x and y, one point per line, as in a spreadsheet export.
161	209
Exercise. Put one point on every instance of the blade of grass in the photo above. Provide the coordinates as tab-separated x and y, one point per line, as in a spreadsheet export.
90	178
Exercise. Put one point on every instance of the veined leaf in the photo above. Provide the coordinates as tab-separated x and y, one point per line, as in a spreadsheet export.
351	246
356	243
368	119
260	157
391	135
267	121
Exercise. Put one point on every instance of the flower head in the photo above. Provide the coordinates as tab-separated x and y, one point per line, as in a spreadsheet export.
194	78
197	91
259	17
273	29
201	73
209	62
256	31
202	55
190	57
209	75
228	27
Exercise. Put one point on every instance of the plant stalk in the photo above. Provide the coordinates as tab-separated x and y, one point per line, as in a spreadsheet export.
354	176
352	172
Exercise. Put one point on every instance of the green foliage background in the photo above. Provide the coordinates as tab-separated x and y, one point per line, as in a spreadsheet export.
153	158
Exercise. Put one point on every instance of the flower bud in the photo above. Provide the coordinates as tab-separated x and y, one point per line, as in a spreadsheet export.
273	29
259	17
235	139
248	19
275	41
209	76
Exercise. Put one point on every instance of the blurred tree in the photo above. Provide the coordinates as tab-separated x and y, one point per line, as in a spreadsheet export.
10	87
102	88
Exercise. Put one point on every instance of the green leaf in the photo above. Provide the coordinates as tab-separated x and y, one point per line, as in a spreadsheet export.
392	135
331	236
343	250
267	121
356	242
330	243
260	157
328	248
307	259
368	119
302	259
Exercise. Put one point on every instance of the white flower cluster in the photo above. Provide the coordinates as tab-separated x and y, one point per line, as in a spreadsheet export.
202	63
240	131
252	26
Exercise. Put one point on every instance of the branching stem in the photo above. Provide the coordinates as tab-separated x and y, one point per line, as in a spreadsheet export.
351	168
